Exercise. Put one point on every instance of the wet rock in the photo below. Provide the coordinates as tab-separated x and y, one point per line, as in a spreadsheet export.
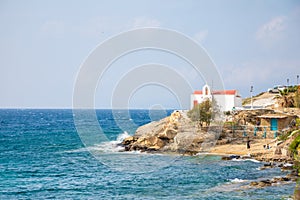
280	165
129	140
253	183
287	167
267	182
294	172
230	157
226	158
261	184
293	176
264	183
267	164
281	179
285	179
235	156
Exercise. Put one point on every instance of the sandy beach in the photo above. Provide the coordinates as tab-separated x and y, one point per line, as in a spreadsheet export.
257	149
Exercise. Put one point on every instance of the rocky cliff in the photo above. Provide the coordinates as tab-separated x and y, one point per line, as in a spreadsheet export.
176	133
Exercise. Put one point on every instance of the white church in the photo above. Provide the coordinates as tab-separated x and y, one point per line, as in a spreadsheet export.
227	100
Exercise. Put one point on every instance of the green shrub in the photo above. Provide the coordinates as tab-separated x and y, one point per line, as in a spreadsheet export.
297	122
292	88
294	145
204	112
229	123
246	101
284	136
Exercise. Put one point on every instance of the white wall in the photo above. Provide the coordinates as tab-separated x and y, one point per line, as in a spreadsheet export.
225	102
238	101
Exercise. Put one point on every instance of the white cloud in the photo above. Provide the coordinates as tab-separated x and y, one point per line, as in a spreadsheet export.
201	36
145	22
272	30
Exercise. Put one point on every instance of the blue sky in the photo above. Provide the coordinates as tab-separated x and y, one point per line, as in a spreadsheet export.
44	43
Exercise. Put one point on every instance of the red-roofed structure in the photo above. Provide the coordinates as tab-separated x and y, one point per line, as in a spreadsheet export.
226	99
219	92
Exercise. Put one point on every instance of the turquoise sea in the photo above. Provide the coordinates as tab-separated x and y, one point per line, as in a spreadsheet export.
43	157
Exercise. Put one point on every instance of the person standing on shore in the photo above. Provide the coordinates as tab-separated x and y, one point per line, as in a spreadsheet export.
248	146
248	143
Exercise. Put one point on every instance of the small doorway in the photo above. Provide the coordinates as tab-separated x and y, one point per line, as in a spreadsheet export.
274	124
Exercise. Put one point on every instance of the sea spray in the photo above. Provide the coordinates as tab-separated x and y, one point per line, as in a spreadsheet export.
105	147
237	180
122	136
113	146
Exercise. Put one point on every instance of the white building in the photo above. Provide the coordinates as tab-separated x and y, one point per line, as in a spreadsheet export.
227	100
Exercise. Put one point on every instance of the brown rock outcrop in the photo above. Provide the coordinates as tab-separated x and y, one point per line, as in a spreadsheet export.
176	133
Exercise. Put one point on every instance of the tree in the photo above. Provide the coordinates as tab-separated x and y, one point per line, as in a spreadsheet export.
290	97
204	112
284	94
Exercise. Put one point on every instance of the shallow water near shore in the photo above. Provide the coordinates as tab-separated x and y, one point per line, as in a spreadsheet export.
42	156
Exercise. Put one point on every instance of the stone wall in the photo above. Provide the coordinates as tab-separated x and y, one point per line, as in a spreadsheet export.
282	122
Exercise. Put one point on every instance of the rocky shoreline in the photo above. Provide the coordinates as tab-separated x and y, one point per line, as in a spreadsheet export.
292	176
173	134
178	134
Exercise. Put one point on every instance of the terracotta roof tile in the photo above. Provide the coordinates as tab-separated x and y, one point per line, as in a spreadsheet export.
219	92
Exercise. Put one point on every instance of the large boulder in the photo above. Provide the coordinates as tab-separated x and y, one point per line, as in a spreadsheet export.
168	134
153	128
191	142
176	133
147	143
151	141
184	140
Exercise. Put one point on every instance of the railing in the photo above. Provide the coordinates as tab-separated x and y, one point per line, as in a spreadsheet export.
252	131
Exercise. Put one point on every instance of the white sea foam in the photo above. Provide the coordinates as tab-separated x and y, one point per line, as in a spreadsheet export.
237	180
248	159
253	160
122	136
110	146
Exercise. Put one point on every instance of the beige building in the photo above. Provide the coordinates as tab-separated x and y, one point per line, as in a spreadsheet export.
277	121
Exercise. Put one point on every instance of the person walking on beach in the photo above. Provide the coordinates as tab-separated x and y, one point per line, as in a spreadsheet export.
248	143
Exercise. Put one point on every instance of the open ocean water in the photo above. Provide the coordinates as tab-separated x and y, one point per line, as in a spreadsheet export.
42	157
